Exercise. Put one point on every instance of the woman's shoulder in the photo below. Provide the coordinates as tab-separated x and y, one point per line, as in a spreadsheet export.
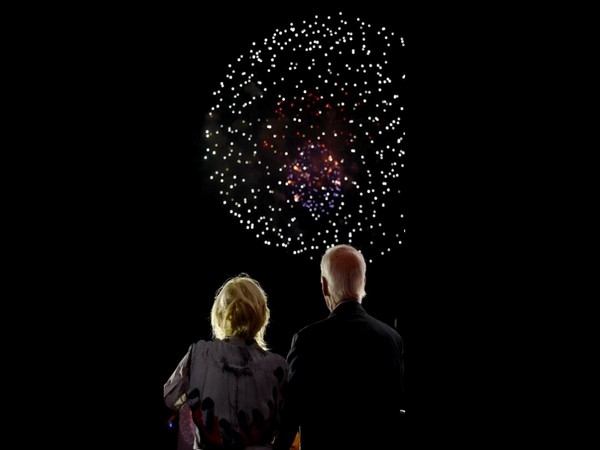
276	358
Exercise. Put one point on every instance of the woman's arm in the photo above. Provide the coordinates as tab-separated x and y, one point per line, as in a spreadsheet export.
176	387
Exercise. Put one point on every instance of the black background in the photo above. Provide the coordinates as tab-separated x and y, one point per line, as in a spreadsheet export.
147	248
192	245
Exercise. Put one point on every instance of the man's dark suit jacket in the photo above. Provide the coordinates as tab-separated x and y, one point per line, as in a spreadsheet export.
346	384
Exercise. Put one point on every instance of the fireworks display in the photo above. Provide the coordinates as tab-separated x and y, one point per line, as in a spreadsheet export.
304	143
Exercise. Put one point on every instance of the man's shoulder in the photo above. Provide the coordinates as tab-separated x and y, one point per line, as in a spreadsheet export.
314	329
385	327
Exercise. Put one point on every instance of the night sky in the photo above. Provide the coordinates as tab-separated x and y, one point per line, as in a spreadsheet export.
193	244
170	243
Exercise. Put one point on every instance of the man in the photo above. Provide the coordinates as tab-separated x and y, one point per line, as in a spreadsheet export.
346	372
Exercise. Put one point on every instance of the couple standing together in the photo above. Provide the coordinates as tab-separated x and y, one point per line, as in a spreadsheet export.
340	387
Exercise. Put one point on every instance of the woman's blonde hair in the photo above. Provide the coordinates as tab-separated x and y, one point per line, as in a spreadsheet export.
240	309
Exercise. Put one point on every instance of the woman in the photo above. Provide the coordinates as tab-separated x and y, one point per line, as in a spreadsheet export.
232	385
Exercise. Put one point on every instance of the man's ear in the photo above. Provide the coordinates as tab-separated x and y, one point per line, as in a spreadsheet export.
324	286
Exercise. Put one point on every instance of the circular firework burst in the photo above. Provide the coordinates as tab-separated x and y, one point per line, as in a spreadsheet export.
304	142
